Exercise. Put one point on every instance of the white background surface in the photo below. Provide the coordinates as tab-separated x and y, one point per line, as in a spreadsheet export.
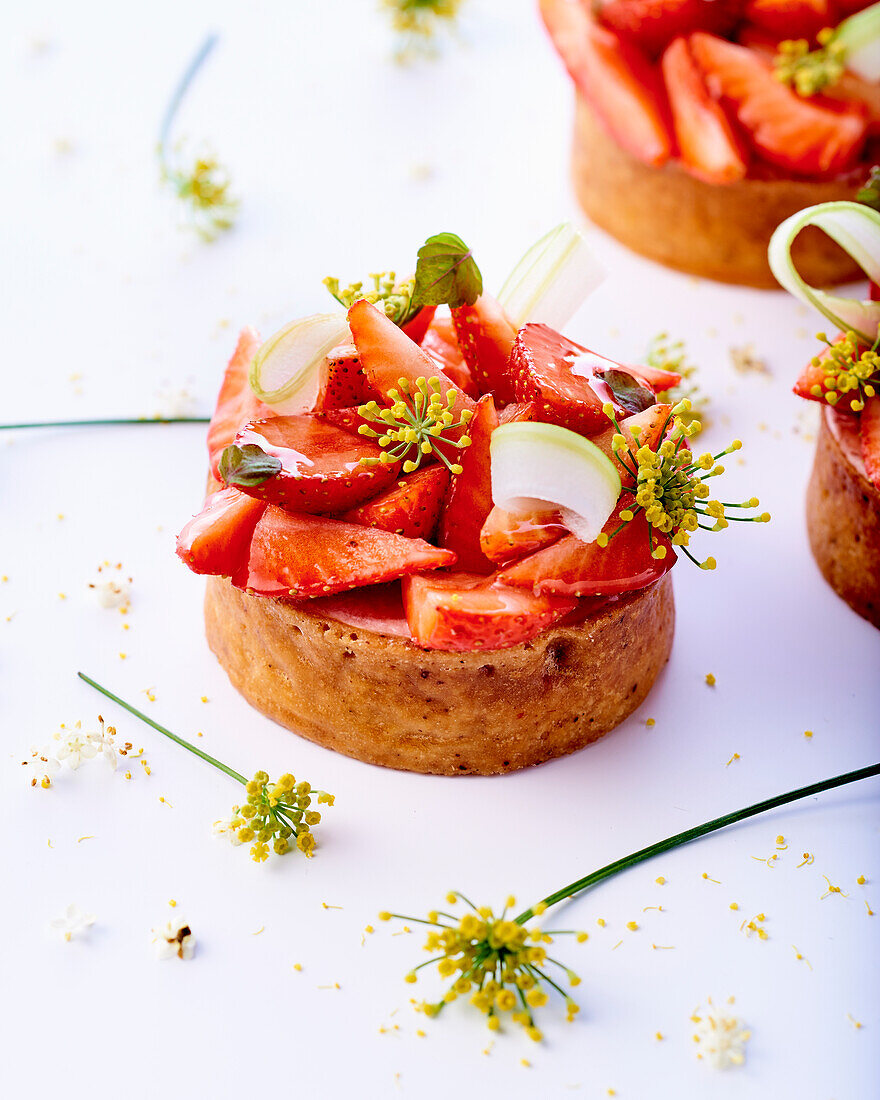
329	144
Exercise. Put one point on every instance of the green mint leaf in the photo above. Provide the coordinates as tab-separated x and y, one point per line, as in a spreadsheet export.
628	393
446	273
869	194
247	466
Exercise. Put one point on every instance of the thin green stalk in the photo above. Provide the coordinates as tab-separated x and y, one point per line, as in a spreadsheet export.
167	733
179	92
695	833
114	421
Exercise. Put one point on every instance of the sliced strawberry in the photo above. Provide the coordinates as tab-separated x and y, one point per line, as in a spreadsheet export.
517	411
562	378
441	344
461	611
789	18
485	336
411	507
320	472
654	378
507	536
653	24
217	539
707	145
417	326
469	499
615	77
810	137
343	382
387	354
300	556
236	403
574	568
869	434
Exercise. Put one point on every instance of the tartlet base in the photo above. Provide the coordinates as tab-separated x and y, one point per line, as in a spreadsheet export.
383	700
715	231
843	518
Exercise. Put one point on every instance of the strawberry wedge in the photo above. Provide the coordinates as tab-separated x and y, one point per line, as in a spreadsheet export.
387	354
417	326
485	336
470	495
652	24
809	137
216	540
461	611
343	382
320	469
508	536
441	344
869	435
708	147
301	556
615	77
559	376
792	18
411	507
236	403
574	568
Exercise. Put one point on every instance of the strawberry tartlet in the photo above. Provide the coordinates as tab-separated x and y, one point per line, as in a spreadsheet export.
441	541
843	496
700	125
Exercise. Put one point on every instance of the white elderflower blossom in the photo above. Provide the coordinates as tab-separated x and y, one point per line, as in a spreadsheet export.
73	923
720	1038
40	767
174	938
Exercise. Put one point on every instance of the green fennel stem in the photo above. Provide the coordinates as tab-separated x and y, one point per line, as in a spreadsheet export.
694	833
113	421
166	732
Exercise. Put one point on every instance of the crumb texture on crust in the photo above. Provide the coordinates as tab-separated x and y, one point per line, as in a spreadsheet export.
715	231
384	700
843	518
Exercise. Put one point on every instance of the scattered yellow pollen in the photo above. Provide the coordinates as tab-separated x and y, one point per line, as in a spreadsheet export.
162	798
335	985
832	890
800	957
298	967
734	905
369	929
172	903
658	1035
612	1092
861	880
82	838
710	679
488	1050
421	1034
49	843
855	1023
662	947
870	910
126	626
632	926
661	881
60	515
808	858
735	756
780	839
122	656
615	947
601	922
659	908
62	596
649	722
200	734
4	578
259	930
808	734
147	769
128	775
525	1062
204	698
324	905
709	878
150	694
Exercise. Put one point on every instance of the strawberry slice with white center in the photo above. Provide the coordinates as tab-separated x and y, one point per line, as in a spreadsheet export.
562	378
301	556
236	403
809	137
869	434
615	77
485	336
470	495
411	507
387	354
216	541
464	611
306	464
573	568
708	147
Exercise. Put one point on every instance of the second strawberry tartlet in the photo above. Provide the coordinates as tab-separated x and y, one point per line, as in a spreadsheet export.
700	125
440	539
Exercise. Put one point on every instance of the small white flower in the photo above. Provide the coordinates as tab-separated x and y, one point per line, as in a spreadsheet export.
102	739
40	767
73	923
112	594
174	938
719	1038
74	746
226	828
